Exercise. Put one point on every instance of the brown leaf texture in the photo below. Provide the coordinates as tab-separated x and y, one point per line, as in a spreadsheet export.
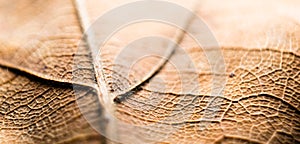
36	111
47	71
42	108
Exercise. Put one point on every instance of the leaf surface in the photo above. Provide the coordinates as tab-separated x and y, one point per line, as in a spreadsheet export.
253	97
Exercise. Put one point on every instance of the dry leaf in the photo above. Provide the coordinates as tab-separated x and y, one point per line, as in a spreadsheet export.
45	74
